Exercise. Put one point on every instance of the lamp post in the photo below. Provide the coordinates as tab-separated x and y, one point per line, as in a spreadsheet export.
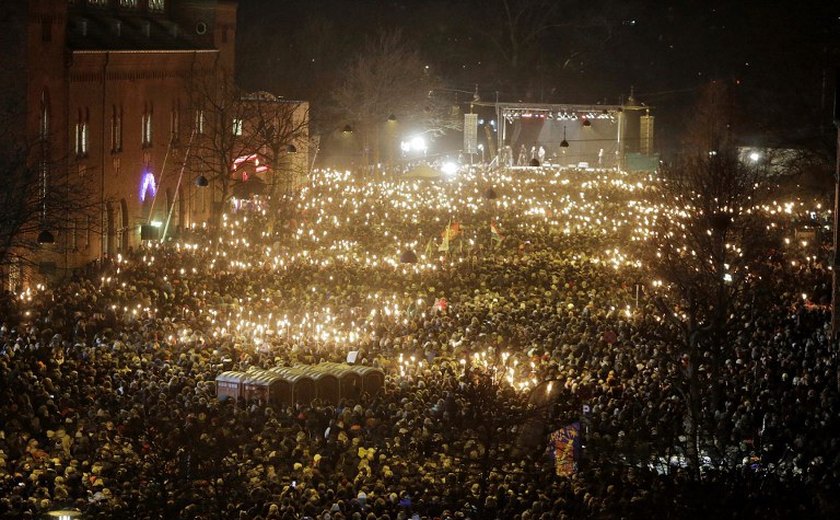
835	281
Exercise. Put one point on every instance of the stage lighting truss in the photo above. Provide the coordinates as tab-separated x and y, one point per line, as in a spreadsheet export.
512	114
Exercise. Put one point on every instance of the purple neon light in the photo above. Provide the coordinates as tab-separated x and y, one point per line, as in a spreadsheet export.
147	184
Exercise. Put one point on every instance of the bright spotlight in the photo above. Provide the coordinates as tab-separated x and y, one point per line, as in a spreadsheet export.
418	144
755	156
415	144
449	168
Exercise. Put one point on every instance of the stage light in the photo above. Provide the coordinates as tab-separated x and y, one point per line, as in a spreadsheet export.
449	168
418	144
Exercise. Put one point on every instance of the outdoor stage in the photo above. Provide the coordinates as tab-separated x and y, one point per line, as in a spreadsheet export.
589	136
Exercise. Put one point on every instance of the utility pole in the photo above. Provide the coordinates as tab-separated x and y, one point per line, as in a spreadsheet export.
835	263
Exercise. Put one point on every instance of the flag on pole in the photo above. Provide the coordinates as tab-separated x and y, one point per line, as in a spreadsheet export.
494	233
451	230
444	246
429	248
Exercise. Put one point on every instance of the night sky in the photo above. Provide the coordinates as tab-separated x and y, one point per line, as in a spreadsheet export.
780	56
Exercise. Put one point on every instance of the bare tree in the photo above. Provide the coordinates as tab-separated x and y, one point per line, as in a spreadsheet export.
714	120
42	205
389	78
520	30
283	128
709	238
237	136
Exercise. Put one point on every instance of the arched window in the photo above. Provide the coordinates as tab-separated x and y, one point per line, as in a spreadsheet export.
82	132
116	129
44	118
146	130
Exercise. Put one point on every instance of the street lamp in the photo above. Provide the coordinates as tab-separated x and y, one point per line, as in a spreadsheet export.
564	143
45	237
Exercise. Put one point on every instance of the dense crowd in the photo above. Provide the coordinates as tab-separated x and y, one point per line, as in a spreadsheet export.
107	402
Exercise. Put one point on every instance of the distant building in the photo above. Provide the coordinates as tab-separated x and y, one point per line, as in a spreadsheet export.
106	80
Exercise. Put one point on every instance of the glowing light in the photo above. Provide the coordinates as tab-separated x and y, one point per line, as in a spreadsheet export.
449	168
148	186
415	144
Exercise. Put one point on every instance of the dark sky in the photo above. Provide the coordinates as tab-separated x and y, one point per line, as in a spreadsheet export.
780	56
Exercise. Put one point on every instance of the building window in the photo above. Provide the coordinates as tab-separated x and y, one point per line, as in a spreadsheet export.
175	121
146	130
199	121
116	129
82	133
237	126
15	275
131	4
88	227
157	5
44	119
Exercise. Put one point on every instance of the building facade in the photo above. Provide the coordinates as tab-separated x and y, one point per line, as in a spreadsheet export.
106	84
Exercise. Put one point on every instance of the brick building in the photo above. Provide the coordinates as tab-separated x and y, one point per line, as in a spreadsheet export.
106	82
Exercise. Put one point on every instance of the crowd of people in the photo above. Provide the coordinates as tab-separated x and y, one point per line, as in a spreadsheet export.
108	405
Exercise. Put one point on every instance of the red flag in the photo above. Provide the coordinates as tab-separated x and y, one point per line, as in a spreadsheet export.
451	231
